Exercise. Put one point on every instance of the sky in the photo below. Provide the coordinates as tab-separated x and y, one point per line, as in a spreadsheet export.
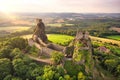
75	6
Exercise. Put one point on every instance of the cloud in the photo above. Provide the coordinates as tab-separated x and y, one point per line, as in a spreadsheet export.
61	5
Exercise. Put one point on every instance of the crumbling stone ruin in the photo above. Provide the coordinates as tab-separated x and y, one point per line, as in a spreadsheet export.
80	42
82	39
79	51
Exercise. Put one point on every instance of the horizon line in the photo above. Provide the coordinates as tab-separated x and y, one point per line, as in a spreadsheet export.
72	12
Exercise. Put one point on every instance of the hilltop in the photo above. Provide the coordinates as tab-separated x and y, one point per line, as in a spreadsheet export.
86	63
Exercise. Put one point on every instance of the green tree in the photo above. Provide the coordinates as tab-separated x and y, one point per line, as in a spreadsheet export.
81	76
57	57
67	77
61	78
15	52
5	68
60	70
111	64
39	78
16	78
37	72
18	42
56	76
48	73
8	77
20	67
5	52
72	68
118	70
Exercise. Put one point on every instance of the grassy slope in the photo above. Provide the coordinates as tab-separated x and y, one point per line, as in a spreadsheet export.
59	39
116	37
104	40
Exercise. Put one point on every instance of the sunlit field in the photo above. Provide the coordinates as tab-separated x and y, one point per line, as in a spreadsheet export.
12	29
60	39
59	25
55	25
104	40
116	37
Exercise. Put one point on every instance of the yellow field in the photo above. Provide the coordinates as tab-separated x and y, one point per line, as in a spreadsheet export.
104	40
12	29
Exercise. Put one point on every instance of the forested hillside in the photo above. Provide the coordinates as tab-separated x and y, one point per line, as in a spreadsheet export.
95	63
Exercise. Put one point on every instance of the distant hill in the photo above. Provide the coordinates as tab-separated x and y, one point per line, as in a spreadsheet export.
115	29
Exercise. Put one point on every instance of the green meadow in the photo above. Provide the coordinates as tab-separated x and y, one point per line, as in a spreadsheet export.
60	39
116	37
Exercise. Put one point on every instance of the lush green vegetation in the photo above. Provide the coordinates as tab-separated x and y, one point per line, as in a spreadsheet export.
55	25
116	37
15	64
108	60
60	39
57	57
96	27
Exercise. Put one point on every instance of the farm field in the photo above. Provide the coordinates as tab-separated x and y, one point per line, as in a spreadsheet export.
104	40
59	38
55	25
59	25
115	37
12	29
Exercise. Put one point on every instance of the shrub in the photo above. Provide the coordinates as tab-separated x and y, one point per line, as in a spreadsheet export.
5	52
118	70
67	77
57	57
5	68
18	42
72	68
111	64
15	52
81	76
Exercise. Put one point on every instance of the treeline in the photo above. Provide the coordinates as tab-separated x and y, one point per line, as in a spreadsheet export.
96	27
